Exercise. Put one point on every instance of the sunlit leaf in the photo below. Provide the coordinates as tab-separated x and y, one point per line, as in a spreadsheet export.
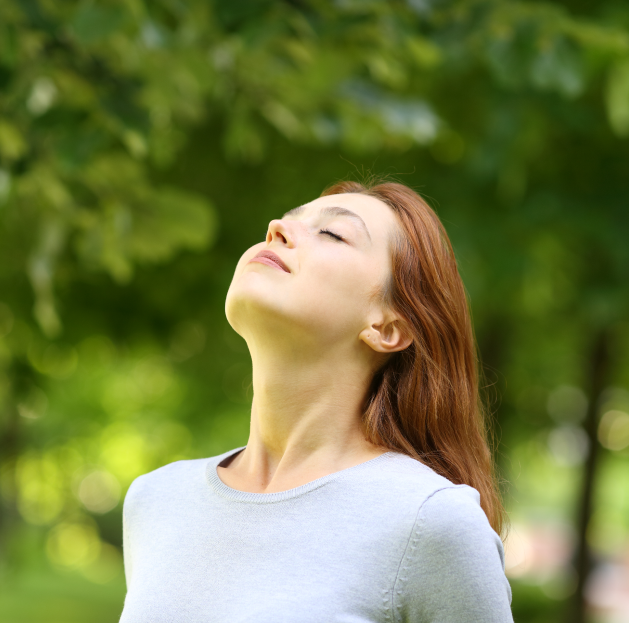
617	98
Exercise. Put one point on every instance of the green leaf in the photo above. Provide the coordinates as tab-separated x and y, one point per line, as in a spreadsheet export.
617	98
91	23
41	272
176	219
558	67
12	144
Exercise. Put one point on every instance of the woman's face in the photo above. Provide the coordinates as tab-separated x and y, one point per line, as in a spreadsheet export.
317	271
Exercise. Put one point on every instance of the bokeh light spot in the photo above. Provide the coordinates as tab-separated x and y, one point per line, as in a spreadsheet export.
73	544
613	430
99	492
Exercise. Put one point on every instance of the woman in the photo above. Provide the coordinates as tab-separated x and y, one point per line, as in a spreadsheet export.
365	492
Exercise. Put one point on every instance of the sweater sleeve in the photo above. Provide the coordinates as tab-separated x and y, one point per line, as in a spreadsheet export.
453	567
130	509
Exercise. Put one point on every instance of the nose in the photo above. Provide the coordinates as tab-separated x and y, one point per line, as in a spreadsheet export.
280	232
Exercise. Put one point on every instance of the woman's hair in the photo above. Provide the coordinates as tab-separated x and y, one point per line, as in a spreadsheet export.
425	400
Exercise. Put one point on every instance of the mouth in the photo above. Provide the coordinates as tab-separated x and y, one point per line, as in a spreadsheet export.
270	259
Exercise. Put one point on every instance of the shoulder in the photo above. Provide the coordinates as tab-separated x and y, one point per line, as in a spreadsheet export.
408	471
400	480
451	518
172	481
169	474
450	504
446	517
159	485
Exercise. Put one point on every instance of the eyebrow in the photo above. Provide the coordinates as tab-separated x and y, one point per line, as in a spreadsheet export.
333	211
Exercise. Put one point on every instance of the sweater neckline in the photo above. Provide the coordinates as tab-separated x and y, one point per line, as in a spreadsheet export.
279	496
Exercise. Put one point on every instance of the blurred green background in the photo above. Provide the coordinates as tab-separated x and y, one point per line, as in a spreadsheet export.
145	145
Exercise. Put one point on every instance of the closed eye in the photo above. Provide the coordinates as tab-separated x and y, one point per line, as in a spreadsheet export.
332	234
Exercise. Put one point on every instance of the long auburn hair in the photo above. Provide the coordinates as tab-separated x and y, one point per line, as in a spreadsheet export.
425	400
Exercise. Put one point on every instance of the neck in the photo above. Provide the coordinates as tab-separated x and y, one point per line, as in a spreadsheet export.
305	417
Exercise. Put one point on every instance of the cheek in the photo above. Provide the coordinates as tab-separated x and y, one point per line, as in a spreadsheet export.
338	289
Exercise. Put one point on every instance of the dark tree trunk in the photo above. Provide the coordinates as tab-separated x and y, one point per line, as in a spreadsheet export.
597	378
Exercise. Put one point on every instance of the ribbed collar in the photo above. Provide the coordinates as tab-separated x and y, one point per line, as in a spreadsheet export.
269	498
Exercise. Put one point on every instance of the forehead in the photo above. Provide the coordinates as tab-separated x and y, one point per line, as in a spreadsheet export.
376	214
363	204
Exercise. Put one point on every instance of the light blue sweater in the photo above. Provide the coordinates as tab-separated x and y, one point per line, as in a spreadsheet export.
388	540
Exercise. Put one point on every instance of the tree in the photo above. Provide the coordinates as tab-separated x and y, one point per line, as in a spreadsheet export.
124	126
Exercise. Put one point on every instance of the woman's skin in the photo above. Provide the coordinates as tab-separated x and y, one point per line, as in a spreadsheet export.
316	336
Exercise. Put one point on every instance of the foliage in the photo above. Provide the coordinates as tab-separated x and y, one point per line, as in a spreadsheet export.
143	146
92	93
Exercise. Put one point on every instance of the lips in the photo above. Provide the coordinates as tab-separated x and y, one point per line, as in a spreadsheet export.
270	259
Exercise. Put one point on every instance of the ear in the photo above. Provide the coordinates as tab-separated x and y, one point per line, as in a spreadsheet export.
389	336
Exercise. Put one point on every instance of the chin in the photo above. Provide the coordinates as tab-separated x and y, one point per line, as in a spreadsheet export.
305	325
253	302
